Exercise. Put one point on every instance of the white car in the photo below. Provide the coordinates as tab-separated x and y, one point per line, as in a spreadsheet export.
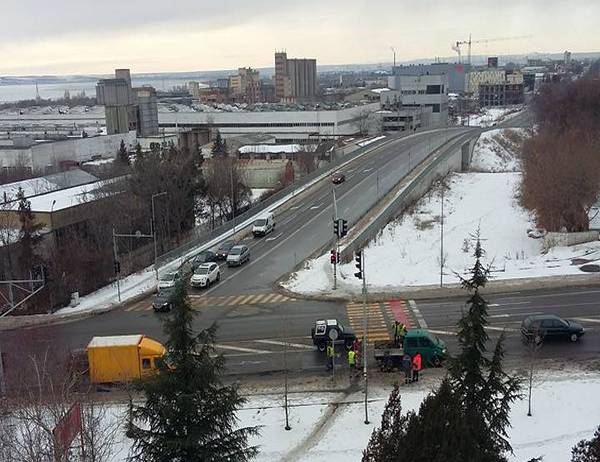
168	280
205	274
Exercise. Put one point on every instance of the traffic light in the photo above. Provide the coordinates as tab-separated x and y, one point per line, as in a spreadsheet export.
344	227
358	260
336	227
332	257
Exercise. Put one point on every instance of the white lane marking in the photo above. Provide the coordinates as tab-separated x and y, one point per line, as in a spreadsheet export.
509	303
367	170
586	320
274	237
442	332
508	315
350	171
245	350
420	319
314	207
501	329
295	345
295	207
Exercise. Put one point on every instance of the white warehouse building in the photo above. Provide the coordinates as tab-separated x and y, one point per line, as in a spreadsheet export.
426	90
285	126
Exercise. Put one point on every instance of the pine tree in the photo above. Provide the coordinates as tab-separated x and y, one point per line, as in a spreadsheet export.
481	384
587	450
188	414
29	236
139	155
123	155
219	147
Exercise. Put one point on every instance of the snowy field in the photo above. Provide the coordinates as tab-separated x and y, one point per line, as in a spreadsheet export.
490	116
407	252
329	426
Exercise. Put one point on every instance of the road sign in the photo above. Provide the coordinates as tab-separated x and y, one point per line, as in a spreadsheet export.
333	334
67	429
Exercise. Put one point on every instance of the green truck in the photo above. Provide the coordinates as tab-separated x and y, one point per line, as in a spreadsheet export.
433	350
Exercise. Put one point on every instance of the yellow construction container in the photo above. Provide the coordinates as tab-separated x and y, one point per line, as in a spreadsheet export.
123	358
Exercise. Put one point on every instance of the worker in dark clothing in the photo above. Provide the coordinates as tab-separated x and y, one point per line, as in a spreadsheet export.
330	354
407	368
396	330
416	366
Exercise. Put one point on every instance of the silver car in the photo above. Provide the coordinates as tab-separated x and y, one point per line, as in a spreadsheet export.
205	275
238	255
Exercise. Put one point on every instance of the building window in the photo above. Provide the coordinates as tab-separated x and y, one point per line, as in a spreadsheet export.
434	89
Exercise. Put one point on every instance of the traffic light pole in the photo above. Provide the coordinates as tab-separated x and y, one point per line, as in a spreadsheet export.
336	224
116	262
365	337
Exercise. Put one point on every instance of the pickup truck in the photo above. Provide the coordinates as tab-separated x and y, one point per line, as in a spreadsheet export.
321	334
432	349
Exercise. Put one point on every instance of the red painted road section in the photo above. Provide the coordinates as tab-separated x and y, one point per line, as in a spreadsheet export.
399	311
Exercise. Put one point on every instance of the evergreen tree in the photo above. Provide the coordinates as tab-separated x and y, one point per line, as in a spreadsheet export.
219	146
481	384
29	236
188	414
139	155
587	450
123	155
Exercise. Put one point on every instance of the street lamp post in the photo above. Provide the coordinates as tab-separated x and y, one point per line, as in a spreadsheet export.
164	193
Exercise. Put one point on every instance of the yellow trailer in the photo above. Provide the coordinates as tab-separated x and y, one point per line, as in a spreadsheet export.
123	358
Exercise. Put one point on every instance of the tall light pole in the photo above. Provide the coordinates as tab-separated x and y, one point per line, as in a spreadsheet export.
51	221
232	197
153	228
442	239
394	52
365	336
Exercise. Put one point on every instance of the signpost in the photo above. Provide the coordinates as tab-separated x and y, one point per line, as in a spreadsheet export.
333	335
66	431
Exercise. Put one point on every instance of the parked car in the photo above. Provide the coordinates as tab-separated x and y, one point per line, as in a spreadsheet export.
238	255
224	249
162	301
547	326
168	280
264	225
205	256
205	274
338	177
321	334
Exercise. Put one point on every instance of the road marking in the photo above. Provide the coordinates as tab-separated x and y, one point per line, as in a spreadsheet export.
587	320
420	319
442	332
367	170
509	303
245	350
501	329
509	315
295	345
274	237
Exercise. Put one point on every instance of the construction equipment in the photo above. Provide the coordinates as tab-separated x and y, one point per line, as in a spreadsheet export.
456	46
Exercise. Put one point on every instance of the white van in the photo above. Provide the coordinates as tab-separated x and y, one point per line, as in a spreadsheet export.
264	225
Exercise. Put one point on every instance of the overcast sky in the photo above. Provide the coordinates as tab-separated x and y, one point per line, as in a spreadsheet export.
96	36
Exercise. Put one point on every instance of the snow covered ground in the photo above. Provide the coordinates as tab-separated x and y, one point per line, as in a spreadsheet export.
490	116
407	252
324	432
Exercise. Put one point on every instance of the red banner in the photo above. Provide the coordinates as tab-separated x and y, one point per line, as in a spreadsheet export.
68	428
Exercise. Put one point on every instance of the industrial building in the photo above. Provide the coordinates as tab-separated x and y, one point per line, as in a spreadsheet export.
417	91
456	73
295	79
122	107
284	126
244	87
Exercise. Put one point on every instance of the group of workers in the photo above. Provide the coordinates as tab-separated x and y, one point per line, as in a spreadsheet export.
399	330
354	355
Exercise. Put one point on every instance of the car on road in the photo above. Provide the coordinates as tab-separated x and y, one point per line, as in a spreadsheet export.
264	225
168	280
163	300
224	249
205	256
238	255
205	274
338	177
325	329
547	326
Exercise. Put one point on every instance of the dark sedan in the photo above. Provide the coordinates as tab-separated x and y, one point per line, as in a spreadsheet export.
224	249
206	256
547	326
162	302
338	177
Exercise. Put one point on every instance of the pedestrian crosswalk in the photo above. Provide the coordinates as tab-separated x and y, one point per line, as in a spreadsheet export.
380	317
199	301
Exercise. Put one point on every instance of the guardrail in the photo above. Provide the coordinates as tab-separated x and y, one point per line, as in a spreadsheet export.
405	196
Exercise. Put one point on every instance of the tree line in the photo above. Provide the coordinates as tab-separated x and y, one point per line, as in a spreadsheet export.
561	161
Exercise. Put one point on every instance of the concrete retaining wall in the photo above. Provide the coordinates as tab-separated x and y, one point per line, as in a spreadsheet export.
565	239
452	157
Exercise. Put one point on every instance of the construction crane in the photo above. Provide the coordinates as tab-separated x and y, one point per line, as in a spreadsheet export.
456	46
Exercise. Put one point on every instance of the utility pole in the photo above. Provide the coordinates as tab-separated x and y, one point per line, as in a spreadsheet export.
336	230
365	336
117	263
153	231
442	239
232	198
2	380
285	366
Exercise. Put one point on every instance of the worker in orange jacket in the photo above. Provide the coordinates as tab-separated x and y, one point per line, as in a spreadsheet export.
417	361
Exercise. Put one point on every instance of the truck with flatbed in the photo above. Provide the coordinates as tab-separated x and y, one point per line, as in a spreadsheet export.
389	355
